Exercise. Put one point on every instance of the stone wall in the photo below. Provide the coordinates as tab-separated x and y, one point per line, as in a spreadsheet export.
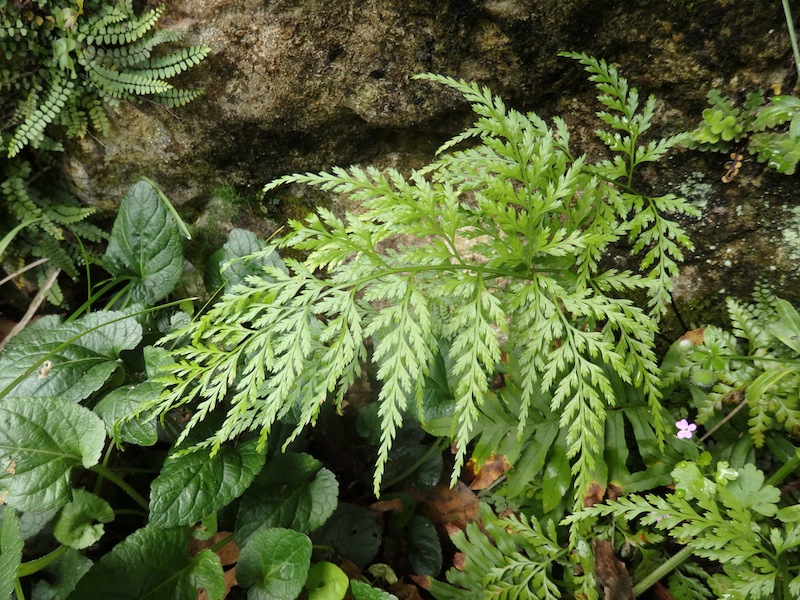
296	85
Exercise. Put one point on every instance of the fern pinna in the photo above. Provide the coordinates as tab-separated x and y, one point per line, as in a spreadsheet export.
496	246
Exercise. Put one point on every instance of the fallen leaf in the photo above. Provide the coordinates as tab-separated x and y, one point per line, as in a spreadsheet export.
492	468
382	506
695	336
611	572
594	495
442	504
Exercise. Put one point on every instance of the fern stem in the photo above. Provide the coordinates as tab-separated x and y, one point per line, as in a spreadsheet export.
787	468
792	37
667	567
120	483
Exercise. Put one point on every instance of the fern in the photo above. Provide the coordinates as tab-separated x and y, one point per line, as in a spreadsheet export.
61	63
723	519
490	248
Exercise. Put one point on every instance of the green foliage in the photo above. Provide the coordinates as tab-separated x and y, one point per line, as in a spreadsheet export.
771	131
511	557
731	517
756	364
494	247
61	64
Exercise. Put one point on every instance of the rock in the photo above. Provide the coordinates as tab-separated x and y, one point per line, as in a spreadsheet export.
298	85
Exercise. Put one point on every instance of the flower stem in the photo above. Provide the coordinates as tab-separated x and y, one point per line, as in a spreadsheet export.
120	483
670	565
792	37
32	566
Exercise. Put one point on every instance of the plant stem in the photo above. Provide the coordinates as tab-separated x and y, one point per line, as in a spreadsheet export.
787	468
18	590
32	566
792	37
219	544
119	482
670	565
433	449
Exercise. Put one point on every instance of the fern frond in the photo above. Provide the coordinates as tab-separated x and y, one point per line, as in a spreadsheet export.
31	130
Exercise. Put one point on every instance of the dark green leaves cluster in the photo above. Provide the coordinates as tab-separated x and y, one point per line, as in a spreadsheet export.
494	247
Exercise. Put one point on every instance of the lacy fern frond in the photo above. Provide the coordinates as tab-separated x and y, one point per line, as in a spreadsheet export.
502	241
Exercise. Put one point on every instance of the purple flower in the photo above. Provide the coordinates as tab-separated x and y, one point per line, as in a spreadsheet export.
685	429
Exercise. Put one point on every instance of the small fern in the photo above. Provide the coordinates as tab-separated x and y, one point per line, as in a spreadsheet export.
60	63
494	247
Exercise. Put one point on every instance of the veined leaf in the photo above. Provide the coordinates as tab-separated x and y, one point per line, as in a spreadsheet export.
353	532
10	552
70	360
153	564
242	255
364	591
145	245
123	401
274	564
41	440
294	491
194	485
62	576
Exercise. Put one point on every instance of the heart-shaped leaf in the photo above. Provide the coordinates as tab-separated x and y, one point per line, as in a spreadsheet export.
364	591
274	564
197	484
80	523
238	258
41	440
153	563
293	491
353	532
145	245
424	547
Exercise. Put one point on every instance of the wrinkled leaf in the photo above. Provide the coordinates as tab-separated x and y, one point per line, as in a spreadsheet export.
124	401
152	564
353	532
194	485
10	552
238	258
326	581
41	440
80	523
364	591
62	576
293	491
77	370
145	245
424	548
274	564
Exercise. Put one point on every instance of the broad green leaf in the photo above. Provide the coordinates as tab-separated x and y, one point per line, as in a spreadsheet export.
80	523
787	329
364	591
124	401
90	353
145	245
326	581
10	552
240	257
152	564
274	564
41	440
557	477
194	485
293	491
424	547
353	532
60	577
